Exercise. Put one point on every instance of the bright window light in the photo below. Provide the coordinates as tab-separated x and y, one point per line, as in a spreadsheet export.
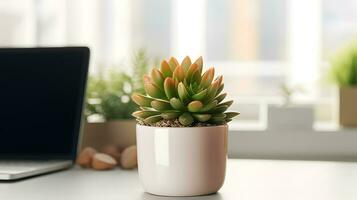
304	47
188	28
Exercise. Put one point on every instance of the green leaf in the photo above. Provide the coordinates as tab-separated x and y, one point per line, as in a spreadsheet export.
230	115
212	91
186	63
201	117
227	103
179	74
221	97
209	106
219	115
157	78
220	109
190	72
200	96
153	119
141	100
169	87
148	108
146	79
199	63
165	69
207	78
194	106
186	119
177	104
217	120
170	115
220	89
161	105
142	114
153	90
196	77
182	92
173	63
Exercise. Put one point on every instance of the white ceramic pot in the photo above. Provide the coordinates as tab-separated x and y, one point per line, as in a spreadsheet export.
186	161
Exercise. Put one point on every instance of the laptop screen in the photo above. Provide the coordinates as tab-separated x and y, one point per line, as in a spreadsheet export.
41	97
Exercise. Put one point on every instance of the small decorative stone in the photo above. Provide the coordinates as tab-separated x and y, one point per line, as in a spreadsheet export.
128	158
113	151
102	161
84	159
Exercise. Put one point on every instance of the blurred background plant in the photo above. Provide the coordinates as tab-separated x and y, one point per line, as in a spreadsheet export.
108	94
344	66
288	91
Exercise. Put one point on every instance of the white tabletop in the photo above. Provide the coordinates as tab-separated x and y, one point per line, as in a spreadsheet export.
245	179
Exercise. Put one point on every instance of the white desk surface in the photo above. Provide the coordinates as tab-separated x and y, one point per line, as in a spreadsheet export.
245	179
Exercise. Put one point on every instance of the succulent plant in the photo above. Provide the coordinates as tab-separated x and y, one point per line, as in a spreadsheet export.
181	92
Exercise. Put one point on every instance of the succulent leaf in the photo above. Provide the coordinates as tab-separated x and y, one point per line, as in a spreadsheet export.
146	79
147	108
157	77
196	77
179	74
194	106
220	109
230	115
201	117
186	119
153	119
227	103
181	92
173	63
161	105
200	96
220	88
169	87
220	97
199	63
141	100
217	120
144	113
207	78
190	71
219	79
212	91
209	106
186	63
153	90
165	69
177	104
170	115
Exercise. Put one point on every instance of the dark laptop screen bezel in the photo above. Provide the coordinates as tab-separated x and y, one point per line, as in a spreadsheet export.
84	52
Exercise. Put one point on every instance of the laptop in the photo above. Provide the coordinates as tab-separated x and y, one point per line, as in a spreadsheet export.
41	99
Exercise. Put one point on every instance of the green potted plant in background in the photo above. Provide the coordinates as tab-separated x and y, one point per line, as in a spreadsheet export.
109	106
182	130
344	73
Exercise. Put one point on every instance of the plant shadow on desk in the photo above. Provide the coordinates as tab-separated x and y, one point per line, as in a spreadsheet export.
214	196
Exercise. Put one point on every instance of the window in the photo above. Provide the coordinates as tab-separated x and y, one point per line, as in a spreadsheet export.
257	44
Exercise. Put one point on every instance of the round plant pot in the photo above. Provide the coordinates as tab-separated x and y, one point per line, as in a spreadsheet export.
187	161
